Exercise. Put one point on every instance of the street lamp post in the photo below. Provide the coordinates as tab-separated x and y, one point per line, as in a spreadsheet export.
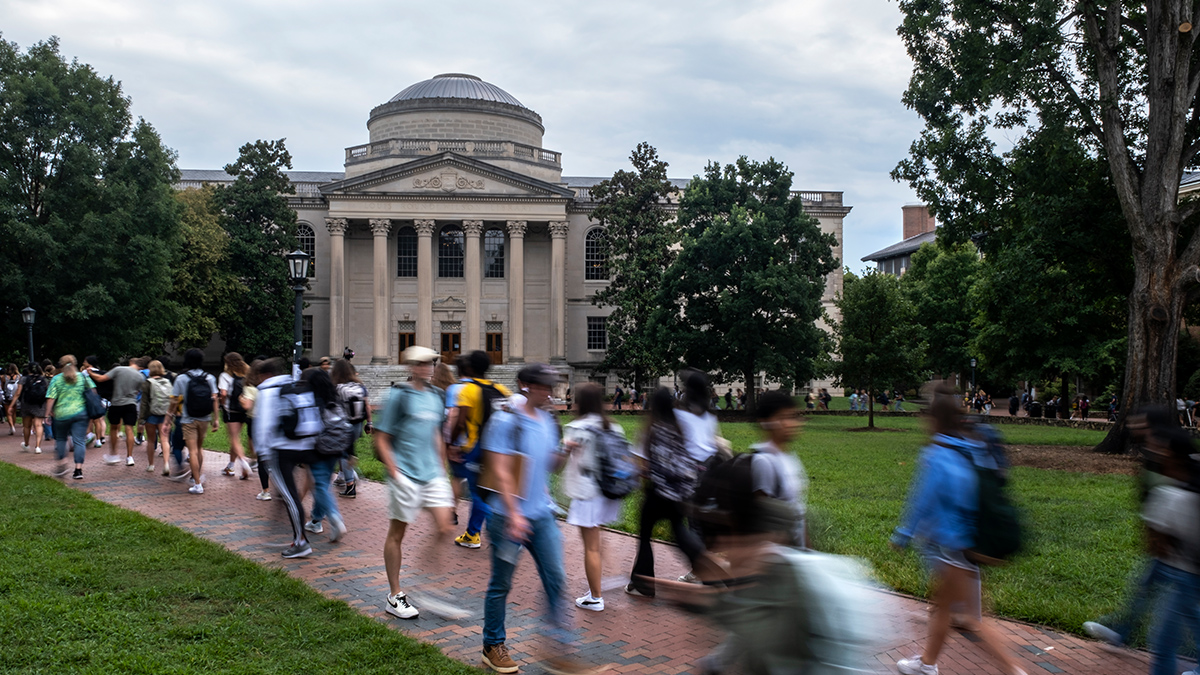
298	269
28	315
972	375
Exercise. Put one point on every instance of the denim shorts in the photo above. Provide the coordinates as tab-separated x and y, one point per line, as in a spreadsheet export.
940	555
155	420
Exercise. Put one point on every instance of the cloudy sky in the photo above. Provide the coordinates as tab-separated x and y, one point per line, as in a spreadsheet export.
814	83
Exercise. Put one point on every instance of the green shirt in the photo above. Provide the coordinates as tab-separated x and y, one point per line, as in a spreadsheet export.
68	398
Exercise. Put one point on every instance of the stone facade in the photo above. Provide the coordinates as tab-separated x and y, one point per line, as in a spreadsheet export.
405	239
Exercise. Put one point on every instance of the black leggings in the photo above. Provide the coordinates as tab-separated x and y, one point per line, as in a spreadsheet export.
283	464
654	509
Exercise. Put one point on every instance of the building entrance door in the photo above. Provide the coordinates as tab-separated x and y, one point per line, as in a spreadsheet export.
495	347
451	347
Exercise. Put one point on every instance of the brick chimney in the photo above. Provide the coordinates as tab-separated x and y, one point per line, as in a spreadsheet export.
917	220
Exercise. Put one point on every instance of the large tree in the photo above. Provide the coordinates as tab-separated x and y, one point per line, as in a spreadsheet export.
637	247
878	337
261	229
205	290
1124	74
938	283
744	295
88	221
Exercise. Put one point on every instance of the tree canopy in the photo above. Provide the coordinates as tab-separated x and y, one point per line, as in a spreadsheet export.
206	290
744	294
938	284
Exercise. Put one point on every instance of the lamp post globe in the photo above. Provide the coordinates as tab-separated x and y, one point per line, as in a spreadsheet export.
27	315
298	271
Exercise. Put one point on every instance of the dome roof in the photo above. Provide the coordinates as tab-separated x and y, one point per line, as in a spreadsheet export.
456	85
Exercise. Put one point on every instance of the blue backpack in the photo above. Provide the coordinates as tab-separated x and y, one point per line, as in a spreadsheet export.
616	474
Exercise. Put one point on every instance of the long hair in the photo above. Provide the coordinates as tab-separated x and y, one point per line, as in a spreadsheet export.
696	392
156	368
946	410
322	385
662	408
589	400
443	377
235	365
66	366
343	371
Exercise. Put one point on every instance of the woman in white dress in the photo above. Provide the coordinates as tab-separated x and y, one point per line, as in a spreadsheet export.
589	508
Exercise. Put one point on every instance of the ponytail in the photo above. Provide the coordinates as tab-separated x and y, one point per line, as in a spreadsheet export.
66	367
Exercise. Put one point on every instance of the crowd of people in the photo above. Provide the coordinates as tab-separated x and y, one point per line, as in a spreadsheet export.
740	521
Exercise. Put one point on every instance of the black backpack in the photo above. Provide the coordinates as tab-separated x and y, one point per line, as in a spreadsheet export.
997	520
235	395
35	389
616	474
493	400
197	398
299	415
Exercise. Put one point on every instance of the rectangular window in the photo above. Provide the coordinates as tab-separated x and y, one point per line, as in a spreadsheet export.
306	332
597	333
493	254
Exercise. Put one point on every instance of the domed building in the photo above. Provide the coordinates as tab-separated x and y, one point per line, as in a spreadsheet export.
453	227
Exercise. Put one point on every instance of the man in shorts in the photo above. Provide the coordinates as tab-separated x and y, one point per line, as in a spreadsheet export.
122	410
195	426
408	440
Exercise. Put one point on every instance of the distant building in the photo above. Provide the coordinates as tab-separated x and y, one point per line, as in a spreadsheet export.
919	228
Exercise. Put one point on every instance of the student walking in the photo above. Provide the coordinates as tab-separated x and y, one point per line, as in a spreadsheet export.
9	382
279	452
476	401
123	410
408	440
322	465
941	511
230	385
353	396
31	394
197	392
521	454
65	405
248	400
98	428
154	406
590	509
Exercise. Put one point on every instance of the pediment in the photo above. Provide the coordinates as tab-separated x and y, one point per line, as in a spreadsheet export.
446	175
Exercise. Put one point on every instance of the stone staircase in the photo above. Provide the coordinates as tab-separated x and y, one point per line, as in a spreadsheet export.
378	379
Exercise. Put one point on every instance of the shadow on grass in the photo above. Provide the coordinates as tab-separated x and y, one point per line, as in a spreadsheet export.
858	429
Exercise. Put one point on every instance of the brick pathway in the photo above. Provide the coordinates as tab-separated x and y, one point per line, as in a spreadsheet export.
636	635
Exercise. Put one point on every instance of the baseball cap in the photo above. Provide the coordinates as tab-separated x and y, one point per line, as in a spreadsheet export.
538	373
417	354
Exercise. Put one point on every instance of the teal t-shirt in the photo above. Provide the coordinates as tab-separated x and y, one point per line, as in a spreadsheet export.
414	420
68	398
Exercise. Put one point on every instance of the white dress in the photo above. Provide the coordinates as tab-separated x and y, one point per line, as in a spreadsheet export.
589	508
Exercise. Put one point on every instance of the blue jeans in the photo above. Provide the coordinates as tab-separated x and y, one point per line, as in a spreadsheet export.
479	508
346	461
545	545
323	502
1181	607
177	443
76	427
1139	602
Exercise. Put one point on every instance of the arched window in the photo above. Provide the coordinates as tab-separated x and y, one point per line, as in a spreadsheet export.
450	253
493	254
406	253
595	261
308	243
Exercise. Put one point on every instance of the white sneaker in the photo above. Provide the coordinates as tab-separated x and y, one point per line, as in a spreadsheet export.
590	603
1102	632
314	527
24	447
915	666
245	468
110	459
150	468
37	451
398	606
339	527
264	496
97	444
197	489
129	461
121	435
90	437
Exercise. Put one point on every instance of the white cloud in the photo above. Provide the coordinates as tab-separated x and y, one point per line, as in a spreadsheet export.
815	84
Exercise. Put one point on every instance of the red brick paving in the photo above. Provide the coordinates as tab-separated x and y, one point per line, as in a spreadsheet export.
635	635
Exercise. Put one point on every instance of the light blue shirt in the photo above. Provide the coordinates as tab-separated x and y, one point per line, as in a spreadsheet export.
413	418
943	500
537	441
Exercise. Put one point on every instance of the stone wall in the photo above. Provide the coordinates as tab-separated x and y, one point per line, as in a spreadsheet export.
453	125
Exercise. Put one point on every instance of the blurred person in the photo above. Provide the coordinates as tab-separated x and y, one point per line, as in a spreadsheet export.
249	398
325	364
66	408
941	512
408	440
98	428
590	509
122	410
353	395
280	453
8	389
320	465
31	393
197	410
230	385
454	441
153	408
476	401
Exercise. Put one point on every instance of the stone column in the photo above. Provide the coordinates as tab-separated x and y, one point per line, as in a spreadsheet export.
425	283
337	284
473	275
558	290
383	286
516	291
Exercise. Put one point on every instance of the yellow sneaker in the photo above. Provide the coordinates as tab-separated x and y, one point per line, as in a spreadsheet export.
468	540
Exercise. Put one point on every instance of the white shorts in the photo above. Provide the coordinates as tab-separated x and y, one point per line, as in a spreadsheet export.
594	512
407	498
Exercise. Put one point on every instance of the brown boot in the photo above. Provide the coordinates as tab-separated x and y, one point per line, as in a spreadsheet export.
496	657
569	665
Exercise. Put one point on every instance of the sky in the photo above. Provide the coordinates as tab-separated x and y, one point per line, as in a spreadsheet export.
815	84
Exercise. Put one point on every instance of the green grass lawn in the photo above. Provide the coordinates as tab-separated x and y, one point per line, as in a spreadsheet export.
1084	536
88	587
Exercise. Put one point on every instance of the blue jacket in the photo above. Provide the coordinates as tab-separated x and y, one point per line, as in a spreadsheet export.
943	500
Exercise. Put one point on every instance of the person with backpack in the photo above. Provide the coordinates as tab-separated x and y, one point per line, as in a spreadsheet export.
154	406
229	391
408	440
248	399
31	393
476	401
67	409
333	439
585	439
197	412
354	398
123	410
8	389
671	476
943	511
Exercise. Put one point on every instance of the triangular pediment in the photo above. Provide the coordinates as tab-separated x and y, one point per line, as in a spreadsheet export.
447	174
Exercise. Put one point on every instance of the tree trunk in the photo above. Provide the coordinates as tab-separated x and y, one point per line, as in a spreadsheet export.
1064	410
751	394
870	408
1155	315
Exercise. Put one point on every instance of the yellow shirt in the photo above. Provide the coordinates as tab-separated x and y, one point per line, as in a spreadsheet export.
471	397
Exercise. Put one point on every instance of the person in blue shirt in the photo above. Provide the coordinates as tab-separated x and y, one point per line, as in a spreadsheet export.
520	452
941	511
